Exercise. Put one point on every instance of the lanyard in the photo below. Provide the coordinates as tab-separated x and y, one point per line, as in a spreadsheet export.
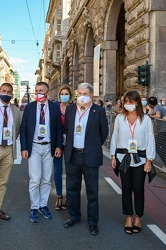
132	131
4	116
81	115
41	113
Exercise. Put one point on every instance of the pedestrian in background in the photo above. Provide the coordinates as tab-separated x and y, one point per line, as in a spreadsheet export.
41	140
86	130
156	111
9	131
64	96
132	149
145	106
164	102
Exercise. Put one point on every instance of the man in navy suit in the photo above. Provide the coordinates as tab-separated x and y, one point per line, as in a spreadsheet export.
86	130
41	140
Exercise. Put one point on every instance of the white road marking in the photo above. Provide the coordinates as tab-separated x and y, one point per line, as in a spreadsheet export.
113	185
158	232
19	158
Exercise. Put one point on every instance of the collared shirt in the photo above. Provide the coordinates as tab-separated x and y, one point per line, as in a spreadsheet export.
79	138
143	133
47	138
10	122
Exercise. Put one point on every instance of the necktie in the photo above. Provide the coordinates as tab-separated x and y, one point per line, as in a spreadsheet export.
4	142
42	118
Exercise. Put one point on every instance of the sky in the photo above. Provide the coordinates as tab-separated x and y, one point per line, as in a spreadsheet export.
22	25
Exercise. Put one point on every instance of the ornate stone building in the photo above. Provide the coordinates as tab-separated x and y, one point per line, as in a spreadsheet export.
105	43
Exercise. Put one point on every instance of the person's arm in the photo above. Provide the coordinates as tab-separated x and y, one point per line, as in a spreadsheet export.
103	126
155	115
150	145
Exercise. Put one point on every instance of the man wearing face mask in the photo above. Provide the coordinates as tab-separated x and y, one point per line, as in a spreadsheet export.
86	130
164	102
41	140
9	131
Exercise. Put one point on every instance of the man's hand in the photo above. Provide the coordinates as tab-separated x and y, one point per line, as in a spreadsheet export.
24	154
58	152
113	163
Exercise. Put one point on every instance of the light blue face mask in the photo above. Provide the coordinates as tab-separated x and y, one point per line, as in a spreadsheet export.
144	103
163	103
64	98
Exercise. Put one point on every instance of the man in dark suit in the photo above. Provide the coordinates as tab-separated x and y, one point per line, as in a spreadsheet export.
41	140
86	130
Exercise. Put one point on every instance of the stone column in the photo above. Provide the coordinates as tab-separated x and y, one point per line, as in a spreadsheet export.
109	69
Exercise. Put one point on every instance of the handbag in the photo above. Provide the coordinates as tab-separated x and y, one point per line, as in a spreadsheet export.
152	173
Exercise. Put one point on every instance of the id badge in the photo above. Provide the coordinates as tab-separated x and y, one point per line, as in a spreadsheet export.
79	128
6	133
42	130
132	146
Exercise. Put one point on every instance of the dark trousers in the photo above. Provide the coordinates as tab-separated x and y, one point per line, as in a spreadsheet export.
133	182
74	171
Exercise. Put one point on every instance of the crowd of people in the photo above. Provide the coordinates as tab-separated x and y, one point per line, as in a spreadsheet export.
57	132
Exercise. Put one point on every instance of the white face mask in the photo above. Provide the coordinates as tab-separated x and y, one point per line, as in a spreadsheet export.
130	107
83	99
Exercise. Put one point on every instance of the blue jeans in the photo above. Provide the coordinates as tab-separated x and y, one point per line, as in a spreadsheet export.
58	174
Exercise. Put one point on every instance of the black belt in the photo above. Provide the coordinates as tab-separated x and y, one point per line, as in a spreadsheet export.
79	150
42	142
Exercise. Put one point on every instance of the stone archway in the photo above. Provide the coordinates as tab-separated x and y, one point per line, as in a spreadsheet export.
113	51
88	56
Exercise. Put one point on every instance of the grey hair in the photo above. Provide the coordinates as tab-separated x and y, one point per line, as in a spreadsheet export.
86	85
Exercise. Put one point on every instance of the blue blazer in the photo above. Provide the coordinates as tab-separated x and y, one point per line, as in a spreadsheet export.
28	125
95	135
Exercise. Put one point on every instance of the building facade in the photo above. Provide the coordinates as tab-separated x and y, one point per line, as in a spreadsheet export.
105	43
58	20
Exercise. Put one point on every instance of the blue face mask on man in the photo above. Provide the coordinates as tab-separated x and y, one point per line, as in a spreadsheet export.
5	98
64	98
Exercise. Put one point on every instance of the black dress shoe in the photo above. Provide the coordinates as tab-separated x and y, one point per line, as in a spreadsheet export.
69	223
93	229
4	216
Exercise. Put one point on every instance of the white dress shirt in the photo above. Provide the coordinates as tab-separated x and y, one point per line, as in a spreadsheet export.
47	138
9	124
79	138
143	133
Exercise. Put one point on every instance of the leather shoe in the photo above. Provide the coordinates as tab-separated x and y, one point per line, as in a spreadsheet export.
4	216
93	229
69	223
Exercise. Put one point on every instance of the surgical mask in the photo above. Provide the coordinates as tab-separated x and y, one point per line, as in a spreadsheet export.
5	98
163	103
64	98
130	107
40	97
144	103
83	99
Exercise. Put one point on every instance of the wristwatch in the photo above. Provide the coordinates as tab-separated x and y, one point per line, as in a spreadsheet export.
112	156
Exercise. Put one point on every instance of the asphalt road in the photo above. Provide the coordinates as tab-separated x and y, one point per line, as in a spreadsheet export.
21	234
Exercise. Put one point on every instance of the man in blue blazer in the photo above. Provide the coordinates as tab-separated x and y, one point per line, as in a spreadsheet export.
86	130
41	140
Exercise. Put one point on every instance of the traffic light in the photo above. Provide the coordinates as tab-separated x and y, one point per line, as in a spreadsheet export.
144	75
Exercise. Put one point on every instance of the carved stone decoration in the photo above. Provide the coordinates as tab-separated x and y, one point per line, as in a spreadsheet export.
86	15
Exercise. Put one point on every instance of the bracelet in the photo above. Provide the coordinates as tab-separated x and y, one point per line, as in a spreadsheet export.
113	156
